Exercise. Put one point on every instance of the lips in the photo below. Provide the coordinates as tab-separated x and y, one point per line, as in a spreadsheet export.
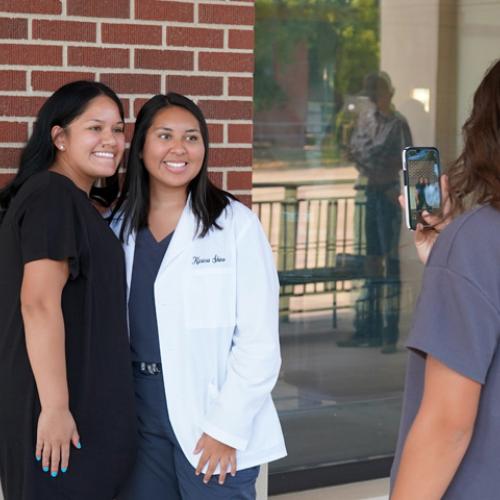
175	164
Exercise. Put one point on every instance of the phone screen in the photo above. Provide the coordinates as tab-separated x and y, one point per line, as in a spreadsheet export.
422	173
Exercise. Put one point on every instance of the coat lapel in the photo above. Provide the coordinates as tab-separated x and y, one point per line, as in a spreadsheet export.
184	234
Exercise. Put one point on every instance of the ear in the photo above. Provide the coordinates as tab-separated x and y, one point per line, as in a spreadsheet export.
58	137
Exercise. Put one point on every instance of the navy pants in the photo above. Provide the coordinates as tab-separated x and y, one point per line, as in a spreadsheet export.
162	472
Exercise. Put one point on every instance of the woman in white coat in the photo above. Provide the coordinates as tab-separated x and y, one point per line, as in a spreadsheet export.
203	314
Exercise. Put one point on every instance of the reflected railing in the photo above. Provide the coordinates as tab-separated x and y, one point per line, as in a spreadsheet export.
318	243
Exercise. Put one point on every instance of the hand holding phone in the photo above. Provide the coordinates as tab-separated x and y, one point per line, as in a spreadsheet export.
422	190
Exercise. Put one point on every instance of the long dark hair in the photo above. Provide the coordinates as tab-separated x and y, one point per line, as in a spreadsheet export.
207	200
474	178
61	108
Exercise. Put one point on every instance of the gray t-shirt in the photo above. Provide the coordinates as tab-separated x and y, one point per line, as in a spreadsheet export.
457	321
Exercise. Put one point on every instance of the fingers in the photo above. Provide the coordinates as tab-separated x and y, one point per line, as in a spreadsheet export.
224	462
199	445
401	200
38	450
55	459
64	457
211	469
46	453
232	461
201	464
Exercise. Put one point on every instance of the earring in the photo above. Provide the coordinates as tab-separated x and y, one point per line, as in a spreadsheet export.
61	147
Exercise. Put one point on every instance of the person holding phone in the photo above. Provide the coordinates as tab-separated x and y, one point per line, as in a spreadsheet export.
67	419
375	147
203	312
448	440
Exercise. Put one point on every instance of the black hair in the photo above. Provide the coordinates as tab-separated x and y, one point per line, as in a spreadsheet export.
207	200
61	108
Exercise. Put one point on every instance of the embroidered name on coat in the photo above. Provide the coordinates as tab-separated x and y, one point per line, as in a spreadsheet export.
207	260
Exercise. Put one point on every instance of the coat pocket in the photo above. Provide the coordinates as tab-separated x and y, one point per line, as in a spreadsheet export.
210	295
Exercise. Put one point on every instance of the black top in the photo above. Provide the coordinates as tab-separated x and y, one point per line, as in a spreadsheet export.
148	256
50	218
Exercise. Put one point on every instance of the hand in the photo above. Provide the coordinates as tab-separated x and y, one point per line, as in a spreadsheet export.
56	430
425	236
215	452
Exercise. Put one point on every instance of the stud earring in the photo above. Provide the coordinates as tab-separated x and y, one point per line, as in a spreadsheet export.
61	147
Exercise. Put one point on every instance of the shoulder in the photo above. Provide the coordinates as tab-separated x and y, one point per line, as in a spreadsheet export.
470	243
238	215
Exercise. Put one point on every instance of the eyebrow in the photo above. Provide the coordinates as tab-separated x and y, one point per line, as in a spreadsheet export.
171	130
121	122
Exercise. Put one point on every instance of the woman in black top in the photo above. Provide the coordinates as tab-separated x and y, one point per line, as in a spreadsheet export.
64	354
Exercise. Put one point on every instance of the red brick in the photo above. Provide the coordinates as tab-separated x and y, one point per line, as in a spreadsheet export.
216	178
129	131
239	180
52	80
126	107
138	104
5	179
226	14
31	7
9	157
12	80
133	84
224	61
242	134
241	86
20	105
98	57
246	199
35	55
195	37
195	85
164	11
99	8
230	157
215	132
227	110
13	132
64	30
13	28
163	59
241	39
131	34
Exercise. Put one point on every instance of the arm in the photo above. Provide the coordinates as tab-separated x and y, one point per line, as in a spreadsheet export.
254	361
41	290
440	434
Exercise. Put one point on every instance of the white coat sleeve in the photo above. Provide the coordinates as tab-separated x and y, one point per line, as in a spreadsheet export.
255	358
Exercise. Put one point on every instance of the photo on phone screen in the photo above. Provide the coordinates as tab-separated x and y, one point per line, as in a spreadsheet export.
422	172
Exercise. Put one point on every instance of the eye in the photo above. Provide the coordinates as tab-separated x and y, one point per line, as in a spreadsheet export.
119	130
96	128
165	135
193	138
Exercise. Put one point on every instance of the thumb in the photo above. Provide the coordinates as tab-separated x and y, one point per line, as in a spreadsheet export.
75	439
199	446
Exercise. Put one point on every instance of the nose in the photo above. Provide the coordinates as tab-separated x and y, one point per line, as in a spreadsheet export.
177	146
108	137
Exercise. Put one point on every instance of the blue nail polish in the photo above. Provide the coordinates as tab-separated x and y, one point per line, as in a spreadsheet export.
53	474
79	445
38	458
64	469
45	468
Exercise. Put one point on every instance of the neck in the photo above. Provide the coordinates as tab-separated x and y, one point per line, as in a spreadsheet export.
163	197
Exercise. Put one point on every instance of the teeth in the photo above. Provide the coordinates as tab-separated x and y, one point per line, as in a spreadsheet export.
175	165
104	154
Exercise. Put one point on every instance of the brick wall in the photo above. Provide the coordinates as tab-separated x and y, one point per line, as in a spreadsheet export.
202	48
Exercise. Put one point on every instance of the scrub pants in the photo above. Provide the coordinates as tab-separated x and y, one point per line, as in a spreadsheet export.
162	472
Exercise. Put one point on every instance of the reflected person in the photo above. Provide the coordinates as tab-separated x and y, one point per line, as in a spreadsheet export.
375	147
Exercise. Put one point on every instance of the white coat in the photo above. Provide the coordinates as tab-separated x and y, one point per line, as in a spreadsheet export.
217	301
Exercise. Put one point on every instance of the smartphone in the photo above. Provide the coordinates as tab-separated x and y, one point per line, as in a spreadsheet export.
421	179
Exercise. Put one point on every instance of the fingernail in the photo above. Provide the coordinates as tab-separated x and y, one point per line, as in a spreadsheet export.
64	469
38	458
45	468
79	445
53	474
